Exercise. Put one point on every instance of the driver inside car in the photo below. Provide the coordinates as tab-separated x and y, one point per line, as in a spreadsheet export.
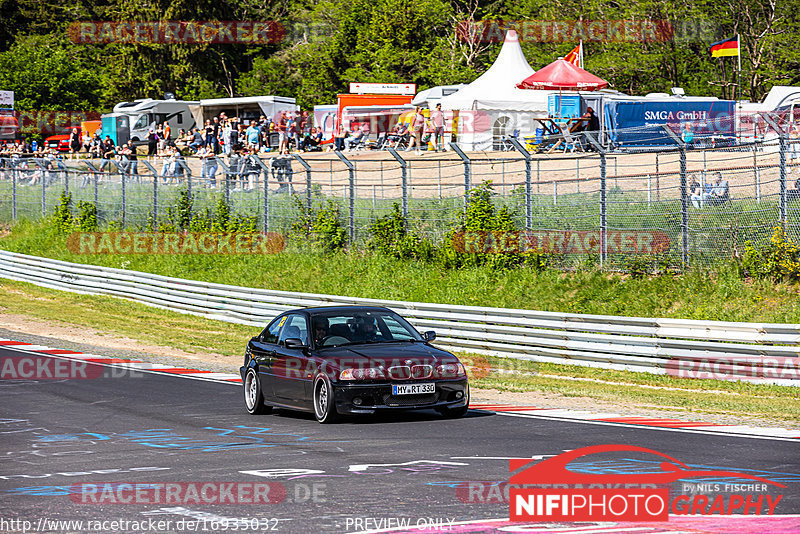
321	330
367	330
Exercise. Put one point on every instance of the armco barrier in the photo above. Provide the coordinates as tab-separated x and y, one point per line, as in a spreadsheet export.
760	352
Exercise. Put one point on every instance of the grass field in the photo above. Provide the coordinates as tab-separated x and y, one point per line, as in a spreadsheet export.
706	295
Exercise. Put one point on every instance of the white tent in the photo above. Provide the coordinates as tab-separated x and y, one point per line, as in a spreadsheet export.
492	106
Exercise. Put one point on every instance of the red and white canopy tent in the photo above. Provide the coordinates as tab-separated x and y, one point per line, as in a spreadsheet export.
561	75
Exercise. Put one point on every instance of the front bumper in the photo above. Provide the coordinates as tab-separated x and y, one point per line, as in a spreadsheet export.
378	396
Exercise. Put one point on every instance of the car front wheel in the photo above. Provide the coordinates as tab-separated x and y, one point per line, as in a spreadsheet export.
253	399
324	406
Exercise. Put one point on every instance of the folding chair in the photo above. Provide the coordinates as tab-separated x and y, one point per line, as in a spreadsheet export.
571	144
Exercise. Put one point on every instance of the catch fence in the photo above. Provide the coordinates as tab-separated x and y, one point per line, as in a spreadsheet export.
592	206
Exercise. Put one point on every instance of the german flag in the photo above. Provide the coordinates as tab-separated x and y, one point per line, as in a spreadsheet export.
727	47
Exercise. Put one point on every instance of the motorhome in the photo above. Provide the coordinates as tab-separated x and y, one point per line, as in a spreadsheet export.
146	114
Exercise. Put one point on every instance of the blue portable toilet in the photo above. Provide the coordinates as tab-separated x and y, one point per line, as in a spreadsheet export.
117	127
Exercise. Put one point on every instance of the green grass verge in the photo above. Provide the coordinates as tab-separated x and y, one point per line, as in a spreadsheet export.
721	295
194	334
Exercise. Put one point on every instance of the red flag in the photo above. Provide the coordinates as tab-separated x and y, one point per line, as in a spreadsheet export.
574	56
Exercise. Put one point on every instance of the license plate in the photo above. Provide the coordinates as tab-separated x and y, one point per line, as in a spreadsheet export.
413	389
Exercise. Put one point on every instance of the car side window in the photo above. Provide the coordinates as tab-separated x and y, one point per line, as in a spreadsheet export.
270	333
296	327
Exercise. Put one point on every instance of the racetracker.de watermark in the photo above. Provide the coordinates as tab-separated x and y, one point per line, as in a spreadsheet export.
174	243
599	31
177	493
33	367
243	32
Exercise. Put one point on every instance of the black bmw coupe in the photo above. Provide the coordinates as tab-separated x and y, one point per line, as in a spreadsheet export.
342	360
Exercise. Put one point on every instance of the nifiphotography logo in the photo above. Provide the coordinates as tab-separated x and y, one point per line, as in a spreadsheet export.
547	491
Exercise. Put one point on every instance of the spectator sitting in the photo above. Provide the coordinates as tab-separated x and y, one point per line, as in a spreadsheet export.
313	141
359	138
196	140
719	193
399	135
794	194
696	193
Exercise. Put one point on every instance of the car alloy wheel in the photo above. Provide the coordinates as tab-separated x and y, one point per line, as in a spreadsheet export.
253	400
324	405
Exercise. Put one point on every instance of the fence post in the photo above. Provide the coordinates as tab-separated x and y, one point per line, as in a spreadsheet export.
684	197
603	197
152	170
13	193
527	155
684	210
351	223
44	195
404	178
265	172
781	165
467	172
124	200
307	167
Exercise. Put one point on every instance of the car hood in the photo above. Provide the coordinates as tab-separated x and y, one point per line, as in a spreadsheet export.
385	355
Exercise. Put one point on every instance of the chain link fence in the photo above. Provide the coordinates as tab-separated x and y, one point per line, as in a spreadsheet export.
593	205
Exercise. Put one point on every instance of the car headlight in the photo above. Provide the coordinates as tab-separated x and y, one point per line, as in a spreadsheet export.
450	370
369	373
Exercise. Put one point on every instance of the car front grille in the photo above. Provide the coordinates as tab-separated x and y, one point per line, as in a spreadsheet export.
410	400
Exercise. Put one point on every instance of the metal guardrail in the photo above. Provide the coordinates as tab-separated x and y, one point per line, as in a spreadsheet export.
762	352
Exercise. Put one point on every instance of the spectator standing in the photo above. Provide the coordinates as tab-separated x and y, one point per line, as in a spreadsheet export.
108	152
209	172
417	126
234	136
74	143
152	143
280	124
437	118
226	138
209	132
216	134
162	143
252	135
87	141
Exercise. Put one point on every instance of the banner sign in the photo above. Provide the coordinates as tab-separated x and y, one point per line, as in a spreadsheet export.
641	123
384	88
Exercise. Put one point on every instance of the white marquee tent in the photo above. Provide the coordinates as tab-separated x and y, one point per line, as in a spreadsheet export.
492	106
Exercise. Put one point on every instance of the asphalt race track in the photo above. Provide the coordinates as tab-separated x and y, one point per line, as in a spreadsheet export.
65	442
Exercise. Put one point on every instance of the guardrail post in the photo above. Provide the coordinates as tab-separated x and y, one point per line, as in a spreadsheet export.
352	216
307	167
781	166
467	172
404	178
528	192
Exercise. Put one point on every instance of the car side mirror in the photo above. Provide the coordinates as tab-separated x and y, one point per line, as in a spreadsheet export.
430	335
294	343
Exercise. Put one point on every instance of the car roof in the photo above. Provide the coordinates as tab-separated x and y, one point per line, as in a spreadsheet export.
339	309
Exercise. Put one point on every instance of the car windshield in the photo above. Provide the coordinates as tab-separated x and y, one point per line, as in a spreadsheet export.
335	329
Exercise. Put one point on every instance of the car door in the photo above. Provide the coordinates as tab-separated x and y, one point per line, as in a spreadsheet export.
289	368
264	349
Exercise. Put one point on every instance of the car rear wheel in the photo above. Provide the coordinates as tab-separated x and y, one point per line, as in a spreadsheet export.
324	406
253	399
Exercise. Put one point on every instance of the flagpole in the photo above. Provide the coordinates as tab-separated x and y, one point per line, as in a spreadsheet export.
580	54
739	58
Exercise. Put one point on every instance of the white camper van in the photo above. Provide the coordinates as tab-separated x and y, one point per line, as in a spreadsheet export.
147	113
